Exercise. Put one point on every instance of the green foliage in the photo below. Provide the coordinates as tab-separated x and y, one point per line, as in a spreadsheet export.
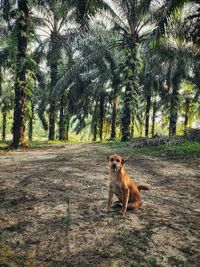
180	150
132	51
175	261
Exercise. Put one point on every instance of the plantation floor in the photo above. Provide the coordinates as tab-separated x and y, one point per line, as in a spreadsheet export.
51	210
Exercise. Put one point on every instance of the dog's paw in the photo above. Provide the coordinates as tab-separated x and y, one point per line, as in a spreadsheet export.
123	212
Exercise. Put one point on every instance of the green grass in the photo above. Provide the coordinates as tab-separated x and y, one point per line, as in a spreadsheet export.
4	144
175	261
182	150
33	144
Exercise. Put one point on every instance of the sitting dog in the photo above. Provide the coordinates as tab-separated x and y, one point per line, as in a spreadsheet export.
122	185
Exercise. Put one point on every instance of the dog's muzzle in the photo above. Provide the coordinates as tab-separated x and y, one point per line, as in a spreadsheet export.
114	168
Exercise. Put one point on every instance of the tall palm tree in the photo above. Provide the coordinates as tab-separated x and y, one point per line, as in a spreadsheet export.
94	66
22	27
56	18
129	19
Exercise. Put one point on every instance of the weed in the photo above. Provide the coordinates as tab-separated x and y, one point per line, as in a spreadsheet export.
152	262
175	261
99	253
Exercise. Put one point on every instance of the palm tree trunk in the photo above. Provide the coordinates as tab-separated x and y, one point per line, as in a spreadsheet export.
132	124
52	109
4	122
187	108
67	127
141	124
126	116
54	78
173	109
115	85
94	132
114	115
19	139
1	80
30	132
147	113
94	123
41	115
131	76
101	115
153	120
62	133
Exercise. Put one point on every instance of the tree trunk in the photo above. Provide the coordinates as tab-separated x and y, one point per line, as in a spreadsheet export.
41	115
67	127
131	78
132	124
62	132
101	115
141	125
153	120
115	85
1	80
173	109
4	122
30	132
126	116
94	132
19	139
54	77
94	123
147	113
187	108
52	109
114	115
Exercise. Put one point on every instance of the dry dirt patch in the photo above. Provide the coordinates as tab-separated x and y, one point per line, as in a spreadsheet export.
51	211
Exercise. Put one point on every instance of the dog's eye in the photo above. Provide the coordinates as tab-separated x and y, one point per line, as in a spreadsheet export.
111	159
117	160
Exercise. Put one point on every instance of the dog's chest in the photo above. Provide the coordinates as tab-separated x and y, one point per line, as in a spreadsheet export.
116	188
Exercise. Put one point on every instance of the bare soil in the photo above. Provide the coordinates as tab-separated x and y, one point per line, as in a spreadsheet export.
52	201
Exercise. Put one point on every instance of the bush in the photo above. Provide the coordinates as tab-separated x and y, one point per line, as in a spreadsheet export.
156	141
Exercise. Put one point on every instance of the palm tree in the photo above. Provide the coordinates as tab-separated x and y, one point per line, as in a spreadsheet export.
56	18
179	56
93	67
129	20
6	105
21	27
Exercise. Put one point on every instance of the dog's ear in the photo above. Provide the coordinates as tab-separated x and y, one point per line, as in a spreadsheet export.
108	158
123	161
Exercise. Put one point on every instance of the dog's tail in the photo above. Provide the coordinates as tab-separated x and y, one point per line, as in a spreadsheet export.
143	187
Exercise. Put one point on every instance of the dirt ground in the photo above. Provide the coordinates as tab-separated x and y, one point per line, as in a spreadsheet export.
52	201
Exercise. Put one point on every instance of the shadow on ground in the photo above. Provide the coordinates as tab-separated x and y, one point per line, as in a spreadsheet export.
51	211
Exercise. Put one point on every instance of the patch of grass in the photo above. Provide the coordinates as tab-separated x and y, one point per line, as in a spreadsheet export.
8	257
185	149
99	253
18	227
39	144
66	220
137	240
4	144
152	262
175	261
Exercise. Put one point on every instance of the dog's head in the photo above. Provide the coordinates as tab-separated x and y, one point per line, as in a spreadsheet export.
115	163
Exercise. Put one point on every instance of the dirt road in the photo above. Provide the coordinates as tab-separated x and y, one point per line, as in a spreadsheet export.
51	210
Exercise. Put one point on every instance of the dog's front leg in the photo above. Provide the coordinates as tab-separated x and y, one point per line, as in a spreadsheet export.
125	198
110	197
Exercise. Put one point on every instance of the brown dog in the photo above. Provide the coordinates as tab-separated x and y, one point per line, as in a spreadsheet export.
122	185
